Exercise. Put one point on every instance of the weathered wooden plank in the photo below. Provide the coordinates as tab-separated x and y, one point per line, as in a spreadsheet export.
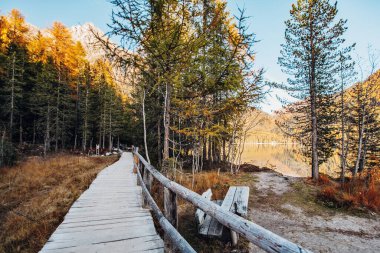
199	214
215	228
203	229
241	201
139	244
81	219
71	216
103	224
97	236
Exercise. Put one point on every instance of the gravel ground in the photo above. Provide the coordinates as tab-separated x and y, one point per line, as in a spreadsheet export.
337	232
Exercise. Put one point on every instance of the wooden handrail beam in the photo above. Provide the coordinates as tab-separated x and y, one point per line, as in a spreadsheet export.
256	234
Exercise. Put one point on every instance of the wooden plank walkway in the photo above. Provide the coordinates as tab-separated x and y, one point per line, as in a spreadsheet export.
108	217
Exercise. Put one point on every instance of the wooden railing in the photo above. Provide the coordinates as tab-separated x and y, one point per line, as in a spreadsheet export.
256	234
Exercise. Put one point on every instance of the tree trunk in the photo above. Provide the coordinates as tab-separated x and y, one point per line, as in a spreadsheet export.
77	109
110	129
360	145
314	146
2	148
12	97
342	156
34	132
144	123
166	122
84	140
20	130
57	112
313	101
100	129
62	132
104	128
159	142
47	132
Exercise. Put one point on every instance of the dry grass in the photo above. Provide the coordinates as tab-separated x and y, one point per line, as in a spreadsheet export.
219	183
36	194
356	193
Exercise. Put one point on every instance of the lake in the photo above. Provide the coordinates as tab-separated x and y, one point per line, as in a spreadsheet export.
282	158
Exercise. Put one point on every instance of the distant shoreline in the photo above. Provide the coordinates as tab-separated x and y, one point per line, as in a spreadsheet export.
273	143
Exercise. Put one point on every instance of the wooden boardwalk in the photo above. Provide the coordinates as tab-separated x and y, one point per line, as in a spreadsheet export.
108	217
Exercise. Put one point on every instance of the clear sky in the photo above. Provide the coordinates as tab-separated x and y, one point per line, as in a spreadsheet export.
267	22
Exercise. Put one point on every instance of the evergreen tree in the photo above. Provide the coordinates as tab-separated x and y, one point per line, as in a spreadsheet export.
313	38
46	93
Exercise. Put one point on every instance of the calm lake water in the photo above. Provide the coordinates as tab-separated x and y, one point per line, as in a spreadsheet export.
280	157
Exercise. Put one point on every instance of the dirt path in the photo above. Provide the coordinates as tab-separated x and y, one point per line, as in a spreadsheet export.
280	205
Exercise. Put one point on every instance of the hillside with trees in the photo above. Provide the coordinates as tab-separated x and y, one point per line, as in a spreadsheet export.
55	94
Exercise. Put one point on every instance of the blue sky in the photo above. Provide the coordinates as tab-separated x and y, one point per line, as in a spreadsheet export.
267	22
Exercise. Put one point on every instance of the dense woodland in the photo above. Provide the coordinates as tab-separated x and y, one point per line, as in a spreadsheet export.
194	81
52	98
193	88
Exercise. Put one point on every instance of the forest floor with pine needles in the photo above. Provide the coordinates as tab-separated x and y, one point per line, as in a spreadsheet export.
36	194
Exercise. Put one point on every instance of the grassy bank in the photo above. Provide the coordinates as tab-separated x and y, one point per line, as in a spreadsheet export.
36	194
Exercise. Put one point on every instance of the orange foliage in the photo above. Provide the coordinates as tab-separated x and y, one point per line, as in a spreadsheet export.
355	193
324	180
219	183
329	193
12	29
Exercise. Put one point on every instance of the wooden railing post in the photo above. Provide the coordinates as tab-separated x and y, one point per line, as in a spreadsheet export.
145	181
170	206
137	168
170	211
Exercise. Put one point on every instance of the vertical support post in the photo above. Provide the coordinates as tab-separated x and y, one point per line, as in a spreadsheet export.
145	180
234	238
170	211
149	181
138	171
170	205
136	161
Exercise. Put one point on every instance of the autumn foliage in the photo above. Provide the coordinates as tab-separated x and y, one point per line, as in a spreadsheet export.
360	192
53	96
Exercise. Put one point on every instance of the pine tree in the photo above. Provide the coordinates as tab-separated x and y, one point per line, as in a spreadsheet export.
47	92
310	55
15	52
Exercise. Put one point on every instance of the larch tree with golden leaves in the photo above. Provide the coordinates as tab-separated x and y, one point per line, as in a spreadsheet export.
194	75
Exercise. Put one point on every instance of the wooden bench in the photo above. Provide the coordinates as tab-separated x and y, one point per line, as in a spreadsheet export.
235	201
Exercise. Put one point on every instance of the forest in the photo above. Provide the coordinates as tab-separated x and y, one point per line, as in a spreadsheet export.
180	81
52	97
192	89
